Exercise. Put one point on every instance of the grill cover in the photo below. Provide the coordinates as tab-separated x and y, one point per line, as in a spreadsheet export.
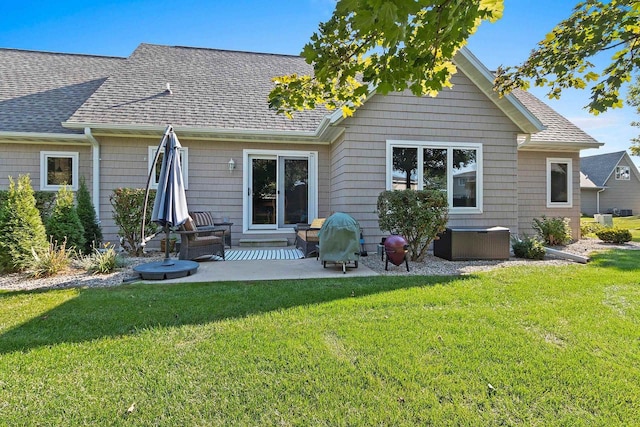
339	239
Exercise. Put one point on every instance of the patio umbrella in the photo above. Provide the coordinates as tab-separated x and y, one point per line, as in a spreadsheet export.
169	209
170	206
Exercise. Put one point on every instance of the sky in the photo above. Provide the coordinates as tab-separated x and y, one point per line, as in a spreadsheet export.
115	28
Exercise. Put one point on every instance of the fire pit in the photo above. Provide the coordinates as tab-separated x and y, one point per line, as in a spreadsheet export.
396	248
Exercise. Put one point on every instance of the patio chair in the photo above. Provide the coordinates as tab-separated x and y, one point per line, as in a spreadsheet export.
307	236
208	221
196	244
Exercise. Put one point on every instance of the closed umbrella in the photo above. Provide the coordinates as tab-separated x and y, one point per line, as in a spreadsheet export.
170	206
169	209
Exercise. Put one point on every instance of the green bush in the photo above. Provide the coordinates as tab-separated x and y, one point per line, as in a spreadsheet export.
44	202
553	231
128	204
590	228
52	261
528	247
614	235
88	218
64	223
416	215
21	228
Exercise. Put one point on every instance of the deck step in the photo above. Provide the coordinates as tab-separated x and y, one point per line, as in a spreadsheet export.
262	243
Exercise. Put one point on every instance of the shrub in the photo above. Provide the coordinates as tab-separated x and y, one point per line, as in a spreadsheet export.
416	215
127	204
21	228
614	235
528	247
103	261
553	231
590	228
64	223
44	202
88	218
51	261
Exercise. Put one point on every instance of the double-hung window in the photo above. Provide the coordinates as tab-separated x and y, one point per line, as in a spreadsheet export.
58	168
454	168
155	168
559	188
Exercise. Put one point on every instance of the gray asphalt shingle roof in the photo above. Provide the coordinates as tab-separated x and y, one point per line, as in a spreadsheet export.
598	168
211	89
559	129
40	90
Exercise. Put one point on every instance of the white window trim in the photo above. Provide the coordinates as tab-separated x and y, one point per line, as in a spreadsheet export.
621	177
312	156
184	153
569	202
449	146
75	169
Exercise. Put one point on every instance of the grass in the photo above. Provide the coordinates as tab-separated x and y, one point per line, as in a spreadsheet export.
515	346
632	223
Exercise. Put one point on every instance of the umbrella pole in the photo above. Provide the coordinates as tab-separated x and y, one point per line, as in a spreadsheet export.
167	260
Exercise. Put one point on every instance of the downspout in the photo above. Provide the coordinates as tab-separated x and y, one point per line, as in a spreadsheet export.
95	155
598	199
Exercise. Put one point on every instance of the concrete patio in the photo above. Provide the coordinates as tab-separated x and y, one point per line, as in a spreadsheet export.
216	270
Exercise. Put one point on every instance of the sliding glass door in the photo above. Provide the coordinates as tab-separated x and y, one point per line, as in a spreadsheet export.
279	190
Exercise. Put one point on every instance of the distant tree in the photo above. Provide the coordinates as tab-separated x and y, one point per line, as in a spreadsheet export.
64	223
563	59
392	45
21	228
88	218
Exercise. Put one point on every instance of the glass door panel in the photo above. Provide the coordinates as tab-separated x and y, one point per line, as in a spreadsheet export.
263	191
293	198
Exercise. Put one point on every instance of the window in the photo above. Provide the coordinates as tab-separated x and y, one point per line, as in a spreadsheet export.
455	168
58	168
623	173
559	189
155	169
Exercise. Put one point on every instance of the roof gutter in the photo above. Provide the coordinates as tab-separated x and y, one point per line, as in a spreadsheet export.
525	143
95	180
42	138
208	133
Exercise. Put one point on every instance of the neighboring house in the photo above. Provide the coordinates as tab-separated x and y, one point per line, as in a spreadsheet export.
610	183
502	161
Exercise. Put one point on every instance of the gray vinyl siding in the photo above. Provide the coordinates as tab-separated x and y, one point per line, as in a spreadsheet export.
21	159
589	201
462	114
532	189
621	194
211	186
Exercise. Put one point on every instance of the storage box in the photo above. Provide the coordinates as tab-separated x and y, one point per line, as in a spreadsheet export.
473	243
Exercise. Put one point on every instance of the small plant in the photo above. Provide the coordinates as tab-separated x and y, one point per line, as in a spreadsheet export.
52	261
614	235
528	247
103	261
553	231
416	215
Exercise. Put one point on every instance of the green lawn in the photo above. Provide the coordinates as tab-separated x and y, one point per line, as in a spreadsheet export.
632	223
556	345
